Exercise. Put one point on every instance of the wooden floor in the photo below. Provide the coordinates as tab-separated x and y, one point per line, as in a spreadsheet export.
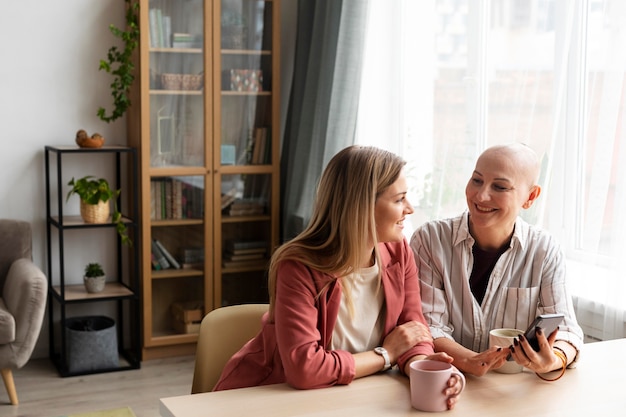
43	393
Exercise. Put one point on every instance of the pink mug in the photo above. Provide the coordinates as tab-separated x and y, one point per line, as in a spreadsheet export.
429	379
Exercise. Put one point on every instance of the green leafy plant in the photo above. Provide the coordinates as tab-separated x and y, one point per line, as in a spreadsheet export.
119	63
92	190
94	270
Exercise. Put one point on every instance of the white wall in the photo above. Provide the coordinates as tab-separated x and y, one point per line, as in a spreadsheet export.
51	87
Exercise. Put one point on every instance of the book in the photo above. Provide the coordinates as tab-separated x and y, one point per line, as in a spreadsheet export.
246	251
256	148
159	256
155	263
245	244
160	34
254	263
229	197
198	266
167	31
192	255
267	156
244	257
152	18
172	261
152	200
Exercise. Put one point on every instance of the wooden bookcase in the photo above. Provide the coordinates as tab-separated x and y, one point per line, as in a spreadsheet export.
205	120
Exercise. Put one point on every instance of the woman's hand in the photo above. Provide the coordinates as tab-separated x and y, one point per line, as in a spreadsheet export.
453	391
404	337
470	362
540	362
454	386
483	362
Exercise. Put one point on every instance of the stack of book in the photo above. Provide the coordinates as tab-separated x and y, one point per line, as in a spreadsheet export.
186	40
246	207
192	258
245	254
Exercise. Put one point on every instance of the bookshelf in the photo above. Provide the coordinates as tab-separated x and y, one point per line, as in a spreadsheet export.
205	120
66	299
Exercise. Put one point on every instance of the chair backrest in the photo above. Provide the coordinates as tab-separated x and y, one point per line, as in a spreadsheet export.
223	332
15	243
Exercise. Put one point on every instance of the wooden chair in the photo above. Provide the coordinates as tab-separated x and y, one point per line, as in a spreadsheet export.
22	301
223	332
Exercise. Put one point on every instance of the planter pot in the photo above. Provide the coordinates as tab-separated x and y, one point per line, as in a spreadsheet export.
94	284
95	213
91	343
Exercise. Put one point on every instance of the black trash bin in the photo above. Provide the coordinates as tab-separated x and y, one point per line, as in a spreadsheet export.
91	343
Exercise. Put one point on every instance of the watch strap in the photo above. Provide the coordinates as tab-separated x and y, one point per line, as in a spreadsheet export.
383	352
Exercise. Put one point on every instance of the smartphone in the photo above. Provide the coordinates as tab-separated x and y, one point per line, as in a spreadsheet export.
547	322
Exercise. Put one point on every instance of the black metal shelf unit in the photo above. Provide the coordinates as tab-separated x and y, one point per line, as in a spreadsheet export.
122	294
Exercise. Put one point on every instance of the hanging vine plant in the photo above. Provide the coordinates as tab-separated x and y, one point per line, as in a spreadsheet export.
119	63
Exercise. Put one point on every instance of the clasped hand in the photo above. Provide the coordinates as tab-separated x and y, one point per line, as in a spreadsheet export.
404	337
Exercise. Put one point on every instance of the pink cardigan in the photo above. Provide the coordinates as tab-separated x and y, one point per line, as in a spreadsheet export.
294	349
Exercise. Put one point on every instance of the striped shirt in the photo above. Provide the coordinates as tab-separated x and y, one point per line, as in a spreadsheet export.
528	279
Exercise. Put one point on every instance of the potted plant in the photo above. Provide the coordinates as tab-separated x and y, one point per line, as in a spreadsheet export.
94	277
95	194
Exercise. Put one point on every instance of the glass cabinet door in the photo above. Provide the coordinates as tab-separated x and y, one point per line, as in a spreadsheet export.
246	74
177	83
175	141
247	121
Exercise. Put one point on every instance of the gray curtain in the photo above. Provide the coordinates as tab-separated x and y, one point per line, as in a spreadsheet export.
324	100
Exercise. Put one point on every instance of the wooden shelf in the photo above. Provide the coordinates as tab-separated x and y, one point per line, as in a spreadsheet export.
78	292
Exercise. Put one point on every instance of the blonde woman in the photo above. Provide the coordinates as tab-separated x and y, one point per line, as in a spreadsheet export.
344	294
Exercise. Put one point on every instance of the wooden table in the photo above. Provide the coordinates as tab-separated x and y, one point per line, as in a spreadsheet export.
594	388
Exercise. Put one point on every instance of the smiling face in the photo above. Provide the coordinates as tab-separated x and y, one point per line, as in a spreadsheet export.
502	183
391	209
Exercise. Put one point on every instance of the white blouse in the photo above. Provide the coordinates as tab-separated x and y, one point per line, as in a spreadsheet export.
363	331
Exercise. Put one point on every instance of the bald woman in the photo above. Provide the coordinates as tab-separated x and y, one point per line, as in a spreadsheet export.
487	268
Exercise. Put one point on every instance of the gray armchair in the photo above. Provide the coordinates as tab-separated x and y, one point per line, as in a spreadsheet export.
23	295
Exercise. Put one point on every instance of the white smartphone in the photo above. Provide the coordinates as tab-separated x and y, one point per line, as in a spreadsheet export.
547	322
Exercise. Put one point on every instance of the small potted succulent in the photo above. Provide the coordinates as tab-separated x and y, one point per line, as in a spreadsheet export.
94	277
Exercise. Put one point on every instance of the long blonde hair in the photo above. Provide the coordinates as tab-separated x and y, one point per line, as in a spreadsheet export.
342	222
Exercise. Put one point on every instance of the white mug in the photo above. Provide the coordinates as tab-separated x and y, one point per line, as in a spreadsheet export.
504	339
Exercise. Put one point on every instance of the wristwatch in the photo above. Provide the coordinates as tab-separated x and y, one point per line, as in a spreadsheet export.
383	352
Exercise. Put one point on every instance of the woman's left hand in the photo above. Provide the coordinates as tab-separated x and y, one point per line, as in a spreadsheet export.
541	362
454	386
453	391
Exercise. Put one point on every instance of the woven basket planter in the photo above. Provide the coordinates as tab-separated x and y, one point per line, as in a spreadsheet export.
95	213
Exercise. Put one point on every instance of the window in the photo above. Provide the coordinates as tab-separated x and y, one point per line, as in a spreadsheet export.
443	79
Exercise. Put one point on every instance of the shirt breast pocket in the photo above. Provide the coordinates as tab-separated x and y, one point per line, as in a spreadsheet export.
517	308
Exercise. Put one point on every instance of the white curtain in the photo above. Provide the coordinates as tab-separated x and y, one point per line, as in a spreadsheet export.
443	79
